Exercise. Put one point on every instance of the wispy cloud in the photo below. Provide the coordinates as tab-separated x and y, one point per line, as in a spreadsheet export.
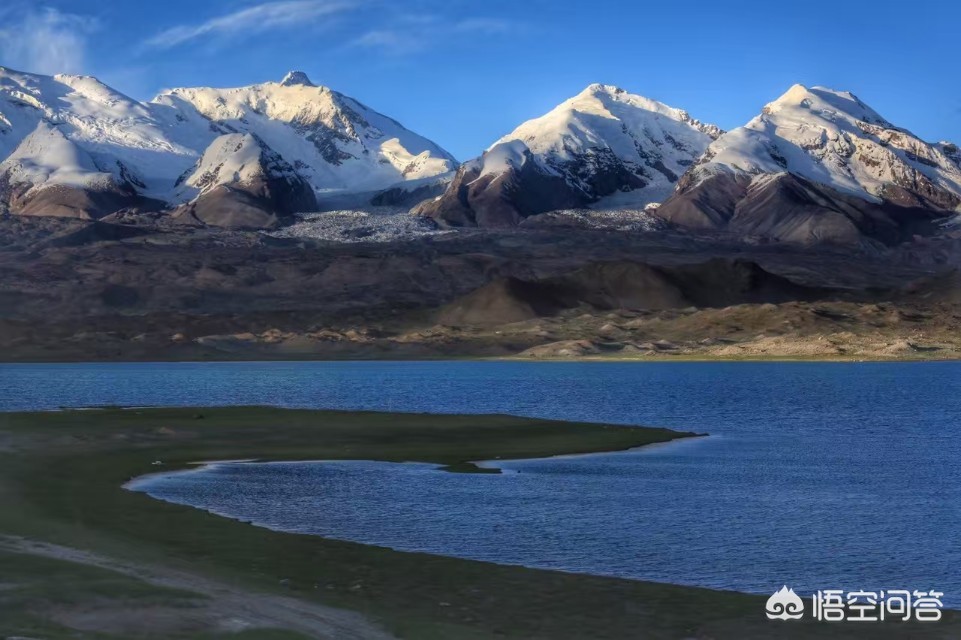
486	26
393	40
44	40
419	33
254	19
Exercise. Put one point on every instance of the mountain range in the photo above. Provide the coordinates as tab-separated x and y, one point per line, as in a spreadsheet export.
73	147
814	165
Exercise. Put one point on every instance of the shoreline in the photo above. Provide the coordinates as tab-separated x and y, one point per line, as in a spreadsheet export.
130	527
62	472
657	359
482	464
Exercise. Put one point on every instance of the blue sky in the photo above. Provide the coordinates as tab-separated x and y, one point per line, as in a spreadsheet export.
465	73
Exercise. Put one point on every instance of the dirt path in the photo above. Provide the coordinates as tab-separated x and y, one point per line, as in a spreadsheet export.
229	608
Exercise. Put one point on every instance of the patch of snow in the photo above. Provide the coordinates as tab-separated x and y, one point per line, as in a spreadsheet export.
46	157
504	156
230	158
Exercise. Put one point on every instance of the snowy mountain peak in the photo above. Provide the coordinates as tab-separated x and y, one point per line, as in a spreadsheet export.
603	147
336	143
824	102
819	164
597	88
296	78
794	96
606	130
601	98
833	138
76	133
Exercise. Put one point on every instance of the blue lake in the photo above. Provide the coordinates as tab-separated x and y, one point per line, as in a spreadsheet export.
816	475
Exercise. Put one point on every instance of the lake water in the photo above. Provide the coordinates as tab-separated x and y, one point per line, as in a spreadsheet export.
816	475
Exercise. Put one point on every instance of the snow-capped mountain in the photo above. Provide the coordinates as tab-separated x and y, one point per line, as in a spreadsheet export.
71	146
335	142
818	164
814	165
241	182
601	143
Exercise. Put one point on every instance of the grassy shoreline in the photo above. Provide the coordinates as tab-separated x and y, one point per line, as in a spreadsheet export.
61	477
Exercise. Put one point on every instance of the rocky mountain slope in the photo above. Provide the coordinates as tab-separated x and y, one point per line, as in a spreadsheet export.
602	143
819	165
241	182
71	146
609	286
75	290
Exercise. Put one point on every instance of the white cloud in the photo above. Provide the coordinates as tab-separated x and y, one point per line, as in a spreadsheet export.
423	32
486	25
255	19
393	40
44	40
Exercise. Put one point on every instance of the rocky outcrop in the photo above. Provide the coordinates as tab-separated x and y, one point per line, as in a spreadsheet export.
480	197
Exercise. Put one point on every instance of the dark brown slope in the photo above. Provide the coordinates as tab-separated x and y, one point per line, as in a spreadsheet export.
71	290
788	208
273	195
605	286
500	200
62	201
60	267
263	204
